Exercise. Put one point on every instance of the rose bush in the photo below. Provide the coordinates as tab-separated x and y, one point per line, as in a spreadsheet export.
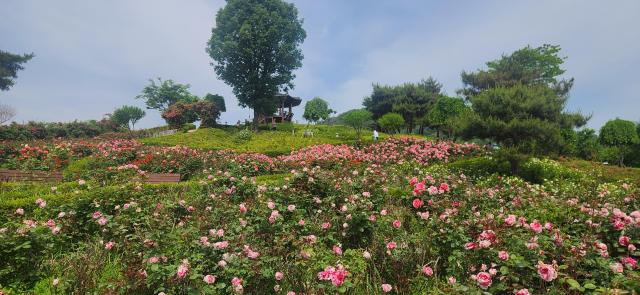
342	222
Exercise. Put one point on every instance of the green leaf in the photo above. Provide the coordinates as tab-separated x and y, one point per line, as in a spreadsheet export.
573	283
589	286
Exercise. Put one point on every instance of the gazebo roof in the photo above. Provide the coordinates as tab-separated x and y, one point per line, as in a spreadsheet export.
287	100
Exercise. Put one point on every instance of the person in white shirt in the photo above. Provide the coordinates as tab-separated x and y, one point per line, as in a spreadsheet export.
375	135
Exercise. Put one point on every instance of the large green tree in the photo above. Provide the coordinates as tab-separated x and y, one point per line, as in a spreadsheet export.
317	109
164	93
391	122
529	66
10	64
127	116
444	112
381	100
358	119
621	135
520	103
411	100
256	47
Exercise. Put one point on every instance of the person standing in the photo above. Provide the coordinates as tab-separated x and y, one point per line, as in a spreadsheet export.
375	135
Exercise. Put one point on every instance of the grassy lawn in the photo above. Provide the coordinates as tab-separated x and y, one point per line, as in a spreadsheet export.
282	141
608	173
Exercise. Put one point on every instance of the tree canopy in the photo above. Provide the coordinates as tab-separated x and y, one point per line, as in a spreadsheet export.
218	100
411	100
256	46
620	134
10	64
317	109
126	115
358	119
528	66
164	93
520	101
391	122
444	112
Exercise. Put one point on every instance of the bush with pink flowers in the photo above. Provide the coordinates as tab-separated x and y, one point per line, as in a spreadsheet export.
390	217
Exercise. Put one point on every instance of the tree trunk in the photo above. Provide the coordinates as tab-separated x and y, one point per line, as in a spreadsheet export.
255	119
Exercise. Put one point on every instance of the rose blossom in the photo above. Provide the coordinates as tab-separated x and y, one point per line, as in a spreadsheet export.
109	245
624	241
470	246
547	272
397	223
279	276
523	292
182	270
417	203
386	288
616	267
536	226
503	255
209	279
510	220
391	245
337	250
484	280
428	271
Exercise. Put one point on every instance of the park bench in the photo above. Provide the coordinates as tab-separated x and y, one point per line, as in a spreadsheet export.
30	176
162	178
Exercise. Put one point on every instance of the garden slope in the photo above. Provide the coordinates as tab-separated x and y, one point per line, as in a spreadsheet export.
281	141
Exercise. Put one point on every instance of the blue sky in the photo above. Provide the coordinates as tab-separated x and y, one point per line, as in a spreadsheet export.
93	56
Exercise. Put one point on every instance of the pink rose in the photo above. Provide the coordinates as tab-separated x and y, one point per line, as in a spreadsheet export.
452	280
417	203
386	288
428	271
391	245
182	270
279	276
523	292
630	261
209	279
547	272
337	250
624	241
510	220
396	223
109	245
484	280
503	255
470	246
236	281
536	226
616	267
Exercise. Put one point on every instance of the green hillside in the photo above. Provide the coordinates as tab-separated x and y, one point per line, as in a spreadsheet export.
281	141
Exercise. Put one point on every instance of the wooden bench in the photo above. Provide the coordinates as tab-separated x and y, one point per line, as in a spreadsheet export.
30	176
162	178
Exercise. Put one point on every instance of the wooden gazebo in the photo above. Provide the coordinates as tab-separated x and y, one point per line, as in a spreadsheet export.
285	101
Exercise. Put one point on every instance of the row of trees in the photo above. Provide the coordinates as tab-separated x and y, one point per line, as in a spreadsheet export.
519	102
178	106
